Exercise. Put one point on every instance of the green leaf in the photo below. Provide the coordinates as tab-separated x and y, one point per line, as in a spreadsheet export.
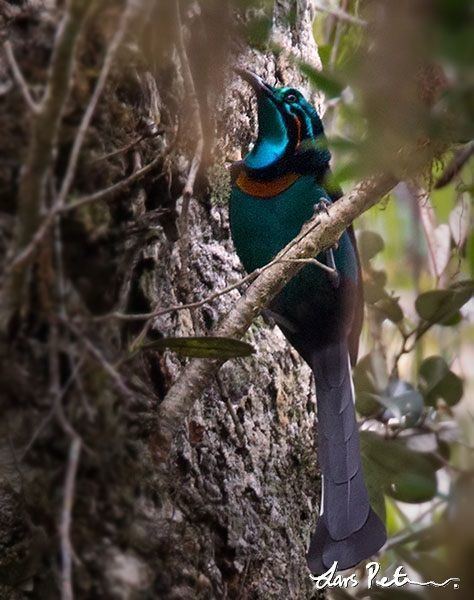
202	347
324	51
373	293
370	244
389	308
322	81
437	382
403	474
413	487
442	306
403	401
370	379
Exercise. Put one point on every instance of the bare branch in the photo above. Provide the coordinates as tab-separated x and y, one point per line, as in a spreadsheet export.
455	165
19	78
66	519
127	147
176	308
106	194
237	424
44	132
115	188
108	368
319	233
196	110
340	14
130	12
183	223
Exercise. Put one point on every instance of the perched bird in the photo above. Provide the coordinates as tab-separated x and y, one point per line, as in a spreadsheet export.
275	189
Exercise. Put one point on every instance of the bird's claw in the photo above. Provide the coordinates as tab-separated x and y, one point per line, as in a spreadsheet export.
334	277
322	206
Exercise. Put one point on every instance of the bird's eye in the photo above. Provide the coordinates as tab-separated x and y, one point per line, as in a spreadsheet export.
291	98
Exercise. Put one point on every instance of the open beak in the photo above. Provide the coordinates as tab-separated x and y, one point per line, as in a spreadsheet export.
256	82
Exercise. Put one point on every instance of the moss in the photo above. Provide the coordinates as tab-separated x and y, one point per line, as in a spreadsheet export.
219	181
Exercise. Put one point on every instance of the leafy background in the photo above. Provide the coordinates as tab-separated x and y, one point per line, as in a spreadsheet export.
414	379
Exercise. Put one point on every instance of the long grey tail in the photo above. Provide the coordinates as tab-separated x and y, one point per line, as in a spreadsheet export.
348	530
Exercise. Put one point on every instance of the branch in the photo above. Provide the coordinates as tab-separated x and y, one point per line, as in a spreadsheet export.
130	12
19	78
44	132
108	368
321	232
233	286
183	223
455	165
66	519
127	147
59	205
340	14
196	109
106	194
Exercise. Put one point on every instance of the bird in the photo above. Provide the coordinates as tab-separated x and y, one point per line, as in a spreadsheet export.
275	189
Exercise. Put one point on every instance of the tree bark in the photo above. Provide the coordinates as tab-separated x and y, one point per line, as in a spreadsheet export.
230	512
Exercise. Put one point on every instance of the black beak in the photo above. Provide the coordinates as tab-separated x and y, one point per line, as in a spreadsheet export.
256	82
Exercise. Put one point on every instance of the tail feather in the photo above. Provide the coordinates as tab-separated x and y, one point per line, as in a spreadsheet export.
348	530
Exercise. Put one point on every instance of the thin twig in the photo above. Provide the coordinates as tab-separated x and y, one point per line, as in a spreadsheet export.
106	194
340	14
55	381
37	235
405	536
127	147
19	78
126	18
455	165
337	35
178	307
111	191
309	261
50	414
183	223
192	305
103	362
40	155
237	424
67	592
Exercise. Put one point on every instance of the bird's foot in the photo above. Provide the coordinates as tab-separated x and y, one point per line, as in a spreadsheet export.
334	277
322	206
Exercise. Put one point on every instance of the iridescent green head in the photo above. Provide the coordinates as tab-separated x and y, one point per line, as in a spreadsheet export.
290	132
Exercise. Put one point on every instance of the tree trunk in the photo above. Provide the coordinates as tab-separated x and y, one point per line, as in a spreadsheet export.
230	512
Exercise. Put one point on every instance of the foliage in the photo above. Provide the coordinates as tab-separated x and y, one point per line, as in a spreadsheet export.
417	257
